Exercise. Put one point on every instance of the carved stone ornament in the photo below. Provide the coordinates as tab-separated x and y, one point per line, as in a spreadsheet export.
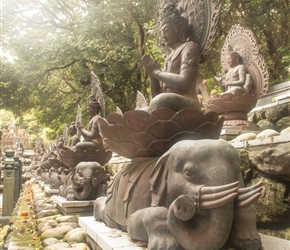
98	92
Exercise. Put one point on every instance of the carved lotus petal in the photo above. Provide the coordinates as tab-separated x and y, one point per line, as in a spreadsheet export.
207	129
163	129
228	102
227	96
114	118
142	138
125	149
116	131
163	113
72	158
211	117
189	119
137	120
218	102
140	134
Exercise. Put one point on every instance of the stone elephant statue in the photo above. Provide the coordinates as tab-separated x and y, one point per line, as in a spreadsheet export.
87	181
192	197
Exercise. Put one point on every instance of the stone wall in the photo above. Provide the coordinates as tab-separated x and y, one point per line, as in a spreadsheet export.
266	159
276	118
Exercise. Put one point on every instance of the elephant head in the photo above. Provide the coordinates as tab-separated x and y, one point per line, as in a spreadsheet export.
197	181
89	181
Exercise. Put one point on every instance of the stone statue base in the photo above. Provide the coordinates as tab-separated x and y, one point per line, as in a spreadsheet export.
101	237
80	208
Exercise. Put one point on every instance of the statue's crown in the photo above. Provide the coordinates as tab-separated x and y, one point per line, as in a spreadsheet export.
168	13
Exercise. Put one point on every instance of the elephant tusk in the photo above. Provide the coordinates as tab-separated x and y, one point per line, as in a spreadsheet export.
216	196
250	188
247	196
217	189
248	202
218	203
242	197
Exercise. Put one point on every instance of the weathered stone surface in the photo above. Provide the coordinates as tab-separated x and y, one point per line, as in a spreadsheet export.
274	160
46	213
245	137
45	219
67	218
82	246
246	165
283	123
260	115
271	206
49	242
276	113
71	224
76	235
58	232
58	246
267	133
265	124
46	206
46	225
285	131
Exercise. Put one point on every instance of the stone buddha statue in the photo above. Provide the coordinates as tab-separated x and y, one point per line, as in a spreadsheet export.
235	78
175	86
93	139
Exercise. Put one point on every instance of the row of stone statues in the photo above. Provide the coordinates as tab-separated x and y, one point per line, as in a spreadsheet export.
183	188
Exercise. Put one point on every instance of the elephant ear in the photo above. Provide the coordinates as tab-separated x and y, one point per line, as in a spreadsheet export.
158	181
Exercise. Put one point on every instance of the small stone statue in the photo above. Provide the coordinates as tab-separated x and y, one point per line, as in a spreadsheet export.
93	140
74	138
87	181
246	79
235	78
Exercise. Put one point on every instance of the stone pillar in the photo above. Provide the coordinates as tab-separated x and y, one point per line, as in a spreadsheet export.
8	183
18	178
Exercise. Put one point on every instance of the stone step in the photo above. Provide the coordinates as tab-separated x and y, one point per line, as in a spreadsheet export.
101	237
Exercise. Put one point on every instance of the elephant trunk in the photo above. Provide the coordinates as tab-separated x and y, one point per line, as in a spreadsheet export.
83	192
196	229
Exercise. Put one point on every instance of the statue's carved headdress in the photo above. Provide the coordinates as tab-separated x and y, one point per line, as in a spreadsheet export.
96	99
201	16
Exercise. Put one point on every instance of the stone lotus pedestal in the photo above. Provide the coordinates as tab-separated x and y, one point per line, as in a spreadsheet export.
71	158
80	208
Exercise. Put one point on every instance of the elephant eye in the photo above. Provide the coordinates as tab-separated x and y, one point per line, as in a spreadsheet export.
189	170
187	173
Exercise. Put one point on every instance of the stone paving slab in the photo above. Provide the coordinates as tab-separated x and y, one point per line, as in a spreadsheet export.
106	238
274	243
82	208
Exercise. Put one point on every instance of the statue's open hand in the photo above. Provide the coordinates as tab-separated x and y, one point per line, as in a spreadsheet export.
79	125
150	65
